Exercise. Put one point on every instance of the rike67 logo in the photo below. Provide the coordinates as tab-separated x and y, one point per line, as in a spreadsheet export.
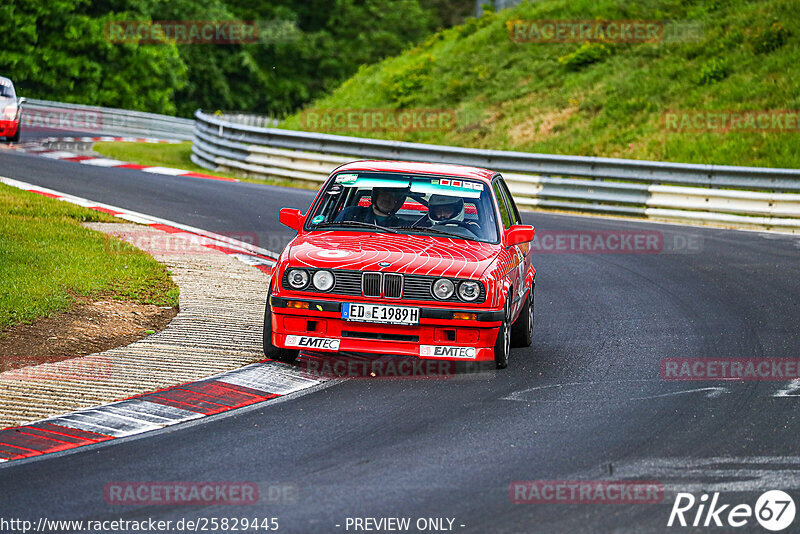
774	510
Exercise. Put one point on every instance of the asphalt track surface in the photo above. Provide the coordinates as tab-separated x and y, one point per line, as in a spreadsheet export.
586	401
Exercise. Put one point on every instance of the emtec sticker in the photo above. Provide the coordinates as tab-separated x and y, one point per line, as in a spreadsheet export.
315	343
318	219
438	351
346	178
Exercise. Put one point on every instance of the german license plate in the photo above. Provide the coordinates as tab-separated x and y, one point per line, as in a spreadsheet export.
377	313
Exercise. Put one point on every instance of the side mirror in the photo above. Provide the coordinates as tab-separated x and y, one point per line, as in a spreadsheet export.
291	217
519	233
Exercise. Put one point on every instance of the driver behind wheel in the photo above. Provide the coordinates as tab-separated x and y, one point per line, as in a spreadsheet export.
449	210
443	209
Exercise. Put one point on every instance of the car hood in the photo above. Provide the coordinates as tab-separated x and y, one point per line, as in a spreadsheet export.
407	254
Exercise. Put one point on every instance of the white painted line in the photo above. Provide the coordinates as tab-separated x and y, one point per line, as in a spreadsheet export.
268	377
722	473
134	218
165	170
102	162
80	202
792	389
79	424
106	423
150	412
59	155
713	392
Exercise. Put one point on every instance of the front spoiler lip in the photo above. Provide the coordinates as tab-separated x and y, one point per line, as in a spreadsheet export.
424	313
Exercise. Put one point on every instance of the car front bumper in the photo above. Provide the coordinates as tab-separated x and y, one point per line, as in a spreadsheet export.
457	339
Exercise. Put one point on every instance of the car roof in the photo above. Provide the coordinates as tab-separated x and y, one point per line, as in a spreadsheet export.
414	167
6	81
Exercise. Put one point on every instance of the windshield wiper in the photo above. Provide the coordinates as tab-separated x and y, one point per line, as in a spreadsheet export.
355	224
431	230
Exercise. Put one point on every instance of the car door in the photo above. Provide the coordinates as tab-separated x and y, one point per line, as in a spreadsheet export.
513	255
524	250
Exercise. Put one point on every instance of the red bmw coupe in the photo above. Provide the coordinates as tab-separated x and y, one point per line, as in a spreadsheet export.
409	259
10	111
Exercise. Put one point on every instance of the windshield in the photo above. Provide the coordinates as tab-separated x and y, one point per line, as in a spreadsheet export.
6	90
403	203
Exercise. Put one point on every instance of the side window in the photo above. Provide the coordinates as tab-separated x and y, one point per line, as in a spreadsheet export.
513	212
501	202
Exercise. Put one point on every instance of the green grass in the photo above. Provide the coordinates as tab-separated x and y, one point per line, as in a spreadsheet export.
601	99
177	156
46	257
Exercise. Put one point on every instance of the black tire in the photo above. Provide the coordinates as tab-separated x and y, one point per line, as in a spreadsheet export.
502	347
522	330
15	138
271	351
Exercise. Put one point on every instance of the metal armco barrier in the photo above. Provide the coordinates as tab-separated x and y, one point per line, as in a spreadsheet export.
748	197
45	115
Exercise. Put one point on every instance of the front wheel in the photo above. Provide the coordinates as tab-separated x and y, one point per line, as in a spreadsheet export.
502	347
15	137
271	351
522	331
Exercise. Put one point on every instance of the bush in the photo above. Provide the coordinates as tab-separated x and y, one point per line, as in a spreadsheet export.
770	39
713	71
403	86
586	54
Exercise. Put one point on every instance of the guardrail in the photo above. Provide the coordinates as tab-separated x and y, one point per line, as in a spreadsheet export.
76	118
249	119
737	196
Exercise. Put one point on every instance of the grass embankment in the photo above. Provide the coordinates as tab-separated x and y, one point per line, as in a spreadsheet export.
598	99
176	156
46	256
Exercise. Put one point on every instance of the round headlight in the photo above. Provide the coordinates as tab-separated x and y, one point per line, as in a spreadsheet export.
469	291
298	278
443	289
323	280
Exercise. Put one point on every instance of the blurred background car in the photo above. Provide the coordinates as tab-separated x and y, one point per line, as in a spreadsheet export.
10	111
